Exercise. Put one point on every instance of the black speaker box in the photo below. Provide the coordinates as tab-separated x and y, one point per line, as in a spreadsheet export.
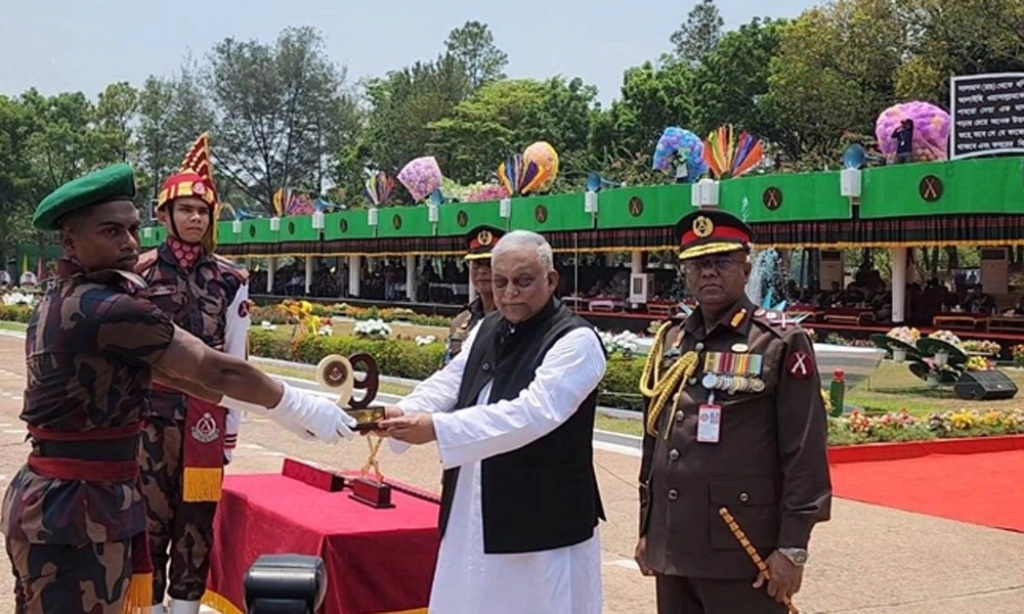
984	386
285	584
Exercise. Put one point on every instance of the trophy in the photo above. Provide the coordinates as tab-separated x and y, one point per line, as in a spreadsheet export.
338	373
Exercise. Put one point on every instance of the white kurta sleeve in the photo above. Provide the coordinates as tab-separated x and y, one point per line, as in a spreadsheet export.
236	343
570	371
439	392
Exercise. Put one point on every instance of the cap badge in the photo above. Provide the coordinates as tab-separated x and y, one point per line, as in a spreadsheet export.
703	227
485	237
199	188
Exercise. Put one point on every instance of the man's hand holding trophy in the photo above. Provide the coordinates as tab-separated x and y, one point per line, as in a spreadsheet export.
337	373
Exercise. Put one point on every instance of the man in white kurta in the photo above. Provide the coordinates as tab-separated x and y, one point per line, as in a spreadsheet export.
467	581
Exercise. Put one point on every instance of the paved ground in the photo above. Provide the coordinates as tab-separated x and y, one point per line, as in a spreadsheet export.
868	560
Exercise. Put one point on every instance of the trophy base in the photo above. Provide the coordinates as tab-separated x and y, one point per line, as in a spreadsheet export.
367	418
370	492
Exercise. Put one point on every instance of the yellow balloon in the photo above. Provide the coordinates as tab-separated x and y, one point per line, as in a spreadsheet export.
545	157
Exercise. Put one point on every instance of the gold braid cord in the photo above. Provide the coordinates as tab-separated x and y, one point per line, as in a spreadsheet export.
371	460
659	387
740	536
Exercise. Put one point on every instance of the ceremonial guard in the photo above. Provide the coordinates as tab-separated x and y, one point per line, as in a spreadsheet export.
186	442
74	517
481	241
735	430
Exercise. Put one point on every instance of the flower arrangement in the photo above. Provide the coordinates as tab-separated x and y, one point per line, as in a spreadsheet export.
1017	352
301	314
624	343
858	427
906	334
979	363
981	347
373	329
425	339
20	298
947	336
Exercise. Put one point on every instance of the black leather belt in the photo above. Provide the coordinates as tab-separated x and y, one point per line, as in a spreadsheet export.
121	449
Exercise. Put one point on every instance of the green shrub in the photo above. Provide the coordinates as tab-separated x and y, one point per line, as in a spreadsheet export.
16	313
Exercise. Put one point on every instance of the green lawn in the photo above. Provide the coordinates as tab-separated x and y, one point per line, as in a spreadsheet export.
15	326
893	387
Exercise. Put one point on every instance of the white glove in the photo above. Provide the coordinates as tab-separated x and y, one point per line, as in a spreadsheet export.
284	420
228	455
318	415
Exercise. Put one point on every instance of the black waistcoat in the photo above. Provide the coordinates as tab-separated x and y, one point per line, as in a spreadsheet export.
543	495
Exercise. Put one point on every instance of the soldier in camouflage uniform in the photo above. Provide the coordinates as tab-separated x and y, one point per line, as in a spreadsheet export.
74	517
184	438
481	241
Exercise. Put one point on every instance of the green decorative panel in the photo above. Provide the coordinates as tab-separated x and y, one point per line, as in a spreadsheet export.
347	225
404	222
643	206
226	234
965	187
787	197
551	213
459	218
258	231
299	228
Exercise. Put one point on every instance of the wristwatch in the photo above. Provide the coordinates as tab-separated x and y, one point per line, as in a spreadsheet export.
798	556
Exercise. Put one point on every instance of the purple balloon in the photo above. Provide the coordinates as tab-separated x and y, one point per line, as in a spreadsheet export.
931	130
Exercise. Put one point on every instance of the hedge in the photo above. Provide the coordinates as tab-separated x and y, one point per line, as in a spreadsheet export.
404	358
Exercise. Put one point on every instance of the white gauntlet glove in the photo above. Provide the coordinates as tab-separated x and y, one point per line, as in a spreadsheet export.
307	412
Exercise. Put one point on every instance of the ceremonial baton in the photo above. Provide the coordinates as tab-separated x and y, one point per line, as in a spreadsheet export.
752	552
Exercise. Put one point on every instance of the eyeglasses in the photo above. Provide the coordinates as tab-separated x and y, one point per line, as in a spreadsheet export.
719	263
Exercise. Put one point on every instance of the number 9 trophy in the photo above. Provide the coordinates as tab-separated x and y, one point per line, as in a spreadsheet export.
338	373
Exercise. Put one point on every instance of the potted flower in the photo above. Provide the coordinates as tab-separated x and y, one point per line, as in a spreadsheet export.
900	342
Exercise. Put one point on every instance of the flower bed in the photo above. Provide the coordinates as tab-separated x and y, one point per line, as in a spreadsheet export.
858	428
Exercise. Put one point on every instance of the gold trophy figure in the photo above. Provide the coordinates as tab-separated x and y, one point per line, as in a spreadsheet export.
338	373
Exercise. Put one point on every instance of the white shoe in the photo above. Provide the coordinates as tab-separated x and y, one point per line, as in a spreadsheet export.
184	607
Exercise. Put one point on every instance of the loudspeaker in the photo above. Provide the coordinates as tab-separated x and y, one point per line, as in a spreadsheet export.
984	386
285	584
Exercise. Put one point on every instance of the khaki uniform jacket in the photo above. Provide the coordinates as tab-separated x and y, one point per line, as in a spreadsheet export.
769	467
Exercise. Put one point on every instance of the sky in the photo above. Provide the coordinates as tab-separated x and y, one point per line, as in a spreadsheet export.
83	45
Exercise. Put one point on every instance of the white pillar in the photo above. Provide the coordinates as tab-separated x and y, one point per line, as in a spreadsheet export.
271	270
636	263
309	273
410	278
899	284
353	275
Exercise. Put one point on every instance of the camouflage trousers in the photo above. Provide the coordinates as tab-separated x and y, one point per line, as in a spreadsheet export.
60	579
179	533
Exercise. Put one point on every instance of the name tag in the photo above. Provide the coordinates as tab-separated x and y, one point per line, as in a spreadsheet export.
709	423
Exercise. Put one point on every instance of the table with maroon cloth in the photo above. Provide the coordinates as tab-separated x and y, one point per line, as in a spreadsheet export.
378	561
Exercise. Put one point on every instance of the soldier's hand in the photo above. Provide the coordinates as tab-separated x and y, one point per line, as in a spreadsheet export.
640	556
786	577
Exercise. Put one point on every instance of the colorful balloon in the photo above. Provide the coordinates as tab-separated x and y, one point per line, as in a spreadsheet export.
543	158
931	130
421	177
678	143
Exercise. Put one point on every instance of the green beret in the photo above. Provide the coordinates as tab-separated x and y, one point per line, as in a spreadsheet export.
115	182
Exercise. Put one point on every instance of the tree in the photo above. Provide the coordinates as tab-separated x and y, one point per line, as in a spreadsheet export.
699	34
115	115
504	117
274	104
16	205
623	137
473	46
834	73
732	80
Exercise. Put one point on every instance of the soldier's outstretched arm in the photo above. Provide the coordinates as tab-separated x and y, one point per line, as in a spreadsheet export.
243	386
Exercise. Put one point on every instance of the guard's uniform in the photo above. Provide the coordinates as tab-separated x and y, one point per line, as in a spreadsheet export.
480	241
186	441
73	516
738	424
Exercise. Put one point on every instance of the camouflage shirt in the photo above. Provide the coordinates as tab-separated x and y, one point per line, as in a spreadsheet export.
89	348
196	299
460	327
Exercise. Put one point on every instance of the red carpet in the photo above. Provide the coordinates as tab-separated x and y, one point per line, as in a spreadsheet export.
979	488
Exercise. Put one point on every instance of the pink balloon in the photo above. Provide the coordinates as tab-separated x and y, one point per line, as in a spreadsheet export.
931	130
